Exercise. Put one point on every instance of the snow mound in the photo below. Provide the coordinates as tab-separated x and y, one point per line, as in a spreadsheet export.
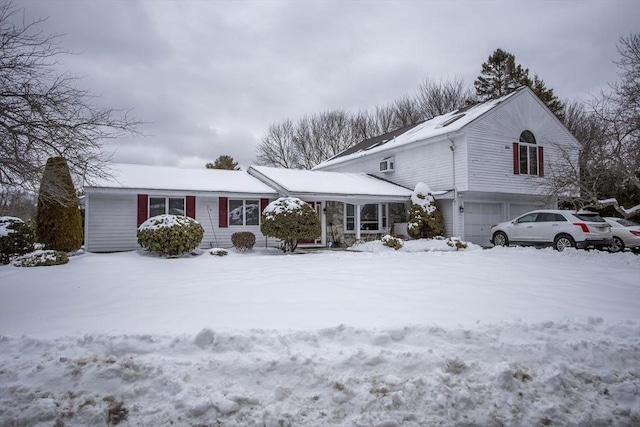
419	245
550	373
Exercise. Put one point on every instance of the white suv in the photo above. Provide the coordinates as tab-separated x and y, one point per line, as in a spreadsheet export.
558	228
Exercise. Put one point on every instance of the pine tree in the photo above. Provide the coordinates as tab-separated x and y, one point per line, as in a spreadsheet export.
501	75
58	219
224	162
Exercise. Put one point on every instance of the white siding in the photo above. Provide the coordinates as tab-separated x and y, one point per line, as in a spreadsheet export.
490	147
207	214
111	223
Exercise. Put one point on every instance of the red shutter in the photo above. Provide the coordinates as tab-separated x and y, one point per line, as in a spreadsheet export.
223	212
191	207
263	204
143	208
540	162
516	159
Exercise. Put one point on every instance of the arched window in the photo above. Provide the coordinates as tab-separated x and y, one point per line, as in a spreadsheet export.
527	155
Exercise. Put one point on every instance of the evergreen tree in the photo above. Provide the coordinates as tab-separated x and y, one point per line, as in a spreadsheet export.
501	75
224	162
58	219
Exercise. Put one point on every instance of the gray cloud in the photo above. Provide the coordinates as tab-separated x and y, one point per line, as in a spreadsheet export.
209	77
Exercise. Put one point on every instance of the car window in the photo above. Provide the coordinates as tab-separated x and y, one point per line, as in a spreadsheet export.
527	218
589	217
626	223
549	217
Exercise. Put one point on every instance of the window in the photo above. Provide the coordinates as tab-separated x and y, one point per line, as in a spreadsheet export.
350	218
373	217
166	205
527	155
386	165
527	218
244	212
550	217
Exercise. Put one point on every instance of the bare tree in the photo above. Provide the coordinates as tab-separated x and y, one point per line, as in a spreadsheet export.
607	170
43	113
278	146
436	99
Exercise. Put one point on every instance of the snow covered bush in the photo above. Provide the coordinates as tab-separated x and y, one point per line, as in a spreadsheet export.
16	238
170	235
290	220
41	258
425	219
243	240
218	252
455	242
392	242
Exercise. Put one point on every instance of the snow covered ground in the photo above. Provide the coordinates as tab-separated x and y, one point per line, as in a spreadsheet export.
418	337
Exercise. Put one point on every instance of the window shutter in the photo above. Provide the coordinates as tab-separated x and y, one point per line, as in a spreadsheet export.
516	159
223	212
540	162
263	204
191	207
143	208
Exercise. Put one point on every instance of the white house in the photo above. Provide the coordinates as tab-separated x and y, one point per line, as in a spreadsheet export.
485	164
225	202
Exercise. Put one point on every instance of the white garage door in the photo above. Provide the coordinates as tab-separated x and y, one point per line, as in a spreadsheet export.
478	219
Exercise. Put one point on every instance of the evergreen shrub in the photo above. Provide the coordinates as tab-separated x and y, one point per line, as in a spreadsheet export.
58	218
218	252
425	219
392	242
455	242
290	220
243	240
170	235
16	238
41	258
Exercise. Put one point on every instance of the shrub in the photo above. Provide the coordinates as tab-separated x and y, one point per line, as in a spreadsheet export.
290	219
392	242
170	235
218	252
41	259
455	242
243	240
58	219
16	238
425	219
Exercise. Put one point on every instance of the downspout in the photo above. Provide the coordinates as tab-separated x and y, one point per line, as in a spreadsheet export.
454	207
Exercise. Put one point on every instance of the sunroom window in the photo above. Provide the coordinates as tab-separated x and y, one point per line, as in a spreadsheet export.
166	205
244	212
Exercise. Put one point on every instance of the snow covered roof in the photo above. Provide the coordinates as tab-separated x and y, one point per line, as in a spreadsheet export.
130	176
321	183
440	125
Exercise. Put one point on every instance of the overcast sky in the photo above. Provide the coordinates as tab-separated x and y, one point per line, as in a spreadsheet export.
209	77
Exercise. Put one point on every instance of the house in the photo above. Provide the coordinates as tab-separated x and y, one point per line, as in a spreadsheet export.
485	164
225	202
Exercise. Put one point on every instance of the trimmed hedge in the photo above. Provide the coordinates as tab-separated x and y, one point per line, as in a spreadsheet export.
243	240
170	235
290	219
16	238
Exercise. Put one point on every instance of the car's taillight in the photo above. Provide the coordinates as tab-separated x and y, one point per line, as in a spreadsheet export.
582	225
635	233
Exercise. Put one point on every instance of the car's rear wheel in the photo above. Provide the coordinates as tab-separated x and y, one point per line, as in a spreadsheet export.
500	239
617	245
562	242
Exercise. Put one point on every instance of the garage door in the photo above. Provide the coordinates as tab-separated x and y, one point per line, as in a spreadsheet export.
478	219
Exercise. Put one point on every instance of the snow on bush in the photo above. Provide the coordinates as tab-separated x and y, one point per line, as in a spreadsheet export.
392	242
218	252
418	245
16	238
456	242
290	220
170	235
41	258
425	219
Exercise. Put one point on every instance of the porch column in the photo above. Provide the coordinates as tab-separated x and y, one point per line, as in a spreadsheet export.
357	212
